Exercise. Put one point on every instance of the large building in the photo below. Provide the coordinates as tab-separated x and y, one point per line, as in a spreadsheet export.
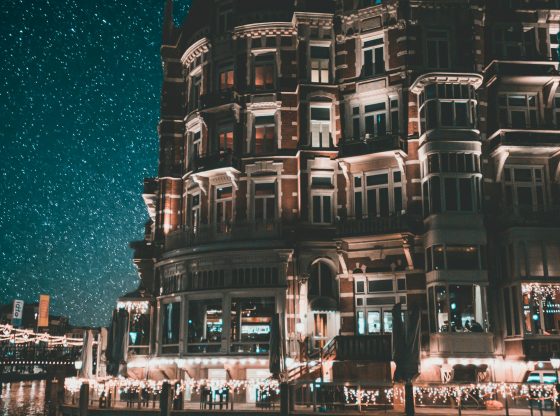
326	159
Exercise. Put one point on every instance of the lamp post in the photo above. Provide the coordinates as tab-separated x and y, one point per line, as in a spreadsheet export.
78	367
555	362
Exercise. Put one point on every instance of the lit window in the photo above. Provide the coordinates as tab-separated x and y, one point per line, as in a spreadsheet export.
373	57
518	111
226	79
320	59
225	139
204	329
457	308
194	220
321	127
264	71
554	43
437	49
541	314
251	319
265	127
524	189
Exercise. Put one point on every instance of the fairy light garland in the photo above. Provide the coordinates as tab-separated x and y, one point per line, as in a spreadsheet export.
24	336
540	291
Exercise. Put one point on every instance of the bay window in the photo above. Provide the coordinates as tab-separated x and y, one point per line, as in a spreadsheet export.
250	324
518	111
265	202
373	57
321	126
204	326
541	309
524	188
225	139
194	215
171	318
226	79
320	64
455	257
224	209
264	69
457	308
265	127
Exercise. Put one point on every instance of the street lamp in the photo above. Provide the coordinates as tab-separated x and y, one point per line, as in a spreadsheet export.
555	363
78	367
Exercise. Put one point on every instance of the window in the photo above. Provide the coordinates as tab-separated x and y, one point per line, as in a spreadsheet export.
264	134
321	281
264	71
383	194
373	56
541	309
524	189
225	139
376	119
539	259
556	111
226	79
322	209
171	321
369	3
225	19
514	41
447	106
457	308
452	163
455	257
195	91
224	209
380	118
250	324
265	202
320	64
205	324
194	219
197	145
518	111
554	43
437	49
321	127
139	330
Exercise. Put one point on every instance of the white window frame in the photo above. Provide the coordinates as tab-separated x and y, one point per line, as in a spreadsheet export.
217	201
322	193
320	68
273	57
390	186
267	180
318	128
553	43
257	115
194	211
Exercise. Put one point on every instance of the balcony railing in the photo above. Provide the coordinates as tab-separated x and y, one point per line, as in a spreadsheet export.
376	348
213	233
378	225
351	147
544	136
217	99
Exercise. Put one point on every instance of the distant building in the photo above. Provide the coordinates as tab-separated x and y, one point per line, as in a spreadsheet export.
327	159
58	325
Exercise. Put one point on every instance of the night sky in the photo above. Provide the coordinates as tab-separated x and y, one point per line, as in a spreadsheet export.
79	103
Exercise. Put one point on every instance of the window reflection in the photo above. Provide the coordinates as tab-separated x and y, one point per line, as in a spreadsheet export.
204	332
250	324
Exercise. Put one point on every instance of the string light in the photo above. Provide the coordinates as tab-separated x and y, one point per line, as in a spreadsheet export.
25	336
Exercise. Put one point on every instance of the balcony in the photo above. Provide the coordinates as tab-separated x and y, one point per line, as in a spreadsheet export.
378	225
223	159
530	138
215	233
374	348
537	69
477	344
350	148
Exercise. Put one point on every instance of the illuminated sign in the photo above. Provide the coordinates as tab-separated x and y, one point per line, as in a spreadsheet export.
17	313
43	320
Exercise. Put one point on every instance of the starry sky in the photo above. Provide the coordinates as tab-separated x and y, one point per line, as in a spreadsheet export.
79	103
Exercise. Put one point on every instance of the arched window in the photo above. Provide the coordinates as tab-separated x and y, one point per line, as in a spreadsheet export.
321	281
